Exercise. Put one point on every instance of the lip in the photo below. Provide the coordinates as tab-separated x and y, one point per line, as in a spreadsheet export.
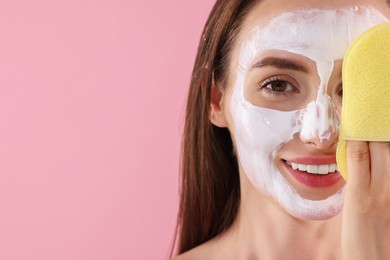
314	180
314	160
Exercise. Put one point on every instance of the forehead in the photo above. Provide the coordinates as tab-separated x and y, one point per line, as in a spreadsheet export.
317	33
266	10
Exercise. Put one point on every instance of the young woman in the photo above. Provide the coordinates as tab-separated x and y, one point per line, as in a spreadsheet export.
259	177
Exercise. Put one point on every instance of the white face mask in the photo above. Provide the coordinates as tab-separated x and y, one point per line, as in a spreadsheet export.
323	36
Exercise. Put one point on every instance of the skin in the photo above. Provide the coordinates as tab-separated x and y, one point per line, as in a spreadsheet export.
263	229
312	147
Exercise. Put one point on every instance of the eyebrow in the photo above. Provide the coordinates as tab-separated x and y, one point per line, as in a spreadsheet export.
280	63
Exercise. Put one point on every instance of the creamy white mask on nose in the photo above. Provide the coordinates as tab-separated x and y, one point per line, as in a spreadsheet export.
323	36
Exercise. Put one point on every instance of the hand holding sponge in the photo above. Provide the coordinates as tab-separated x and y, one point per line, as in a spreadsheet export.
365	112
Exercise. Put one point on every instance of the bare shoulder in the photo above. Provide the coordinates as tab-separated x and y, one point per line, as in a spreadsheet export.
204	251
199	252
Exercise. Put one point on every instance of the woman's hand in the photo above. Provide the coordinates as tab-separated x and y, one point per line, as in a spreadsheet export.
366	212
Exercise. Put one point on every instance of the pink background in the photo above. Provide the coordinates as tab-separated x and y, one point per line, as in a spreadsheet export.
92	98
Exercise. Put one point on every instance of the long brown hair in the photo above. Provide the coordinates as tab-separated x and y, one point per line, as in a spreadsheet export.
210	191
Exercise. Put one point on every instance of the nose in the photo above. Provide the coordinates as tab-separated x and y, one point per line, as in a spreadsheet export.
320	123
320	143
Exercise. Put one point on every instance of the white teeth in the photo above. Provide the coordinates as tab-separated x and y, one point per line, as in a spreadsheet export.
332	167
314	168
302	167
323	168
295	166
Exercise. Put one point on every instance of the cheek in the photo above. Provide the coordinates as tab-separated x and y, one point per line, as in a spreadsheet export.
258	131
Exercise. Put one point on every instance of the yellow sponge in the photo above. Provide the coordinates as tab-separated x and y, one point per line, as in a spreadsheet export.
366	91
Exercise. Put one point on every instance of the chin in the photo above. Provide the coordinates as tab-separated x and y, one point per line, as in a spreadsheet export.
316	216
302	207
307	209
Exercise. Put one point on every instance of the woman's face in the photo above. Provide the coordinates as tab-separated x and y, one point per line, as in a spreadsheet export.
284	98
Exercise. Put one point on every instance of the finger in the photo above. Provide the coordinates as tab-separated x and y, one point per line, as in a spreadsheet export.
358	161
380	165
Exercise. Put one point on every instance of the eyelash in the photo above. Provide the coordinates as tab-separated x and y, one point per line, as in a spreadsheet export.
277	79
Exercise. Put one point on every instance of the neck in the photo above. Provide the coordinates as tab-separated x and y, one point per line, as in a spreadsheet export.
264	230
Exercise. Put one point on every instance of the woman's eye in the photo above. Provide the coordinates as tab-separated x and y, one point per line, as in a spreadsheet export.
278	87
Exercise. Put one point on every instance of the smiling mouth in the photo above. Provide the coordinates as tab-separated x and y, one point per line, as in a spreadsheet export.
314	175
319	169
